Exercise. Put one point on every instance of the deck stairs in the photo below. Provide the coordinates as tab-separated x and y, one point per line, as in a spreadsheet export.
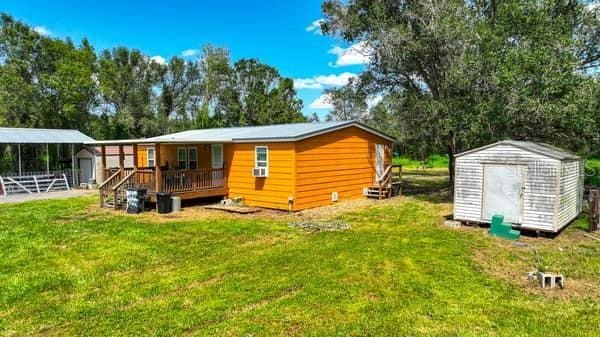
389	184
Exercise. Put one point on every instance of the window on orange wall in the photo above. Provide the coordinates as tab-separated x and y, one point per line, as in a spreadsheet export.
192	158
150	161
181	158
261	156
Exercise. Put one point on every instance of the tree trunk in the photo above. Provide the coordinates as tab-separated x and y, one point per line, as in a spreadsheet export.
451	152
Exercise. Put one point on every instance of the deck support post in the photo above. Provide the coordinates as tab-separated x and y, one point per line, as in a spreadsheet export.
134	149
103	162
121	161
20	164
157	164
47	159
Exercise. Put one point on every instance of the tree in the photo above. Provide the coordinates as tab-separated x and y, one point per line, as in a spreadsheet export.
44	82
179	81
217	76
459	74
126	79
259	95
349	102
122	93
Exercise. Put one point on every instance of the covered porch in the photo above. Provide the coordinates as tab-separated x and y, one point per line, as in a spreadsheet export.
187	170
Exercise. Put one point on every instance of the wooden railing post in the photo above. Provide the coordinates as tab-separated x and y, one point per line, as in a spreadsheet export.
157	163
134	149
103	161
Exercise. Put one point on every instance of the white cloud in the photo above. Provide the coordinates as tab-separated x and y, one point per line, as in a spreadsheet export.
358	53
42	30
315	27
190	52
158	59
322	102
319	82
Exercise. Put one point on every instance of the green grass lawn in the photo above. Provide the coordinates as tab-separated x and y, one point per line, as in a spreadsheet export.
70	269
432	162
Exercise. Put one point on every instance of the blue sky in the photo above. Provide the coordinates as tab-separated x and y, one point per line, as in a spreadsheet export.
278	33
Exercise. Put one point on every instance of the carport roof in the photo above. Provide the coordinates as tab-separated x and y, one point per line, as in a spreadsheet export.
42	136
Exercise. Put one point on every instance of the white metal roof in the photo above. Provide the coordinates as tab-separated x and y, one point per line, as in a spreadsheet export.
271	133
539	148
42	136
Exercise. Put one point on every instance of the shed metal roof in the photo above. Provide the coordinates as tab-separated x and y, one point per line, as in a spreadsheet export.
42	136
535	147
278	132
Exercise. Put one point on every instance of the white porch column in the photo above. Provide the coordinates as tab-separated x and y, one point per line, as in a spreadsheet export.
20	165
47	159
74	175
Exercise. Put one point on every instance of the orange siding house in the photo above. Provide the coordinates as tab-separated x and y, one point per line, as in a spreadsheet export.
286	166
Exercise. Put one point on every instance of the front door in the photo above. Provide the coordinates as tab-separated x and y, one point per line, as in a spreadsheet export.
85	165
379	161
503	192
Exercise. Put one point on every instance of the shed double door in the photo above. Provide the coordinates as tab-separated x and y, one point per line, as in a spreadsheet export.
503	187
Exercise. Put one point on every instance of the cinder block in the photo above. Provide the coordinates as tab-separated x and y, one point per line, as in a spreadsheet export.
452	223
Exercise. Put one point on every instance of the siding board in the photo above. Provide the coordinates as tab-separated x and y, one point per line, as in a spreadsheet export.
341	161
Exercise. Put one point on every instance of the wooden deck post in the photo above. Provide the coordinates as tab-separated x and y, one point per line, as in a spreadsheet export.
121	159
103	162
157	163
134	149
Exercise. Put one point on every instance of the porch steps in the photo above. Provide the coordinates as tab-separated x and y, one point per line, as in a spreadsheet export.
374	192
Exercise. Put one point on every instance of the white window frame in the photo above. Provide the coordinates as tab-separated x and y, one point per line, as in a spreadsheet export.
266	161
185	160
153	150
190	150
216	148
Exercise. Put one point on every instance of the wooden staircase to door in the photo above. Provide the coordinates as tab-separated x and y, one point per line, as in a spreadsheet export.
112	190
388	185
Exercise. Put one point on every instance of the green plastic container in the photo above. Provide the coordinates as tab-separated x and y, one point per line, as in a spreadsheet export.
502	229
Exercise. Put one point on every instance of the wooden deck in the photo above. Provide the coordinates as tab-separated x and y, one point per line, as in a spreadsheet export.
186	184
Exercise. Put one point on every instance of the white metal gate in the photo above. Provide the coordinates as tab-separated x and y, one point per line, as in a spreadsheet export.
35	183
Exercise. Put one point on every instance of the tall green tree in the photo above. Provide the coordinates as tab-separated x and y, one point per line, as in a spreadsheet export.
126	80
264	96
44	82
179	81
123	93
459	74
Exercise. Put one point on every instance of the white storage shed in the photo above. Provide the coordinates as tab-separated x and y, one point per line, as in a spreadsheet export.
534	185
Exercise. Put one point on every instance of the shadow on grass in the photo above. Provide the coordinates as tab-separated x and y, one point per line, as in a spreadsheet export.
429	185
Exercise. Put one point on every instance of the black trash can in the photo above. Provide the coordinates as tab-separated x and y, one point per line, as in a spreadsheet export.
136	200
163	202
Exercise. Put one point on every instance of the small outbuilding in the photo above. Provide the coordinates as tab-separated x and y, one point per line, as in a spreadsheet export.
534	185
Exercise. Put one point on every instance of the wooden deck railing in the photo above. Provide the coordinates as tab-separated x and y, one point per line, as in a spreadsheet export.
173	181
192	180
106	187
392	175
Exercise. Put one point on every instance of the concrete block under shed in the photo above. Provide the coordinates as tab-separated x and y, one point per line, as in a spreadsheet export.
452	223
